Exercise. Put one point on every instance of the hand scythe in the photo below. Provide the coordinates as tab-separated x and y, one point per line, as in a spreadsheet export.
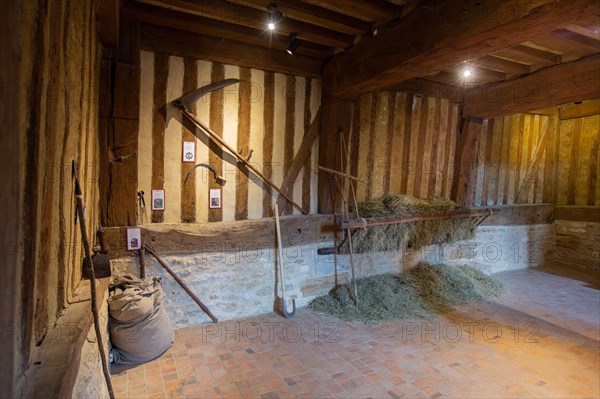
186	102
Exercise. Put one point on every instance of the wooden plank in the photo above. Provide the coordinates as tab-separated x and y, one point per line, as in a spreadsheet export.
161	73
411	170
241	235
522	214
439	33
437	137
398	132
579	110
336	118
188	190
520	140
190	23
269	115
552	86
306	167
215	156
243	141
370	132
363	109
185	44
465	155
577	213
479	165
574	163
389	142
288	135
586	176
534	164
593	171
107	25
425	164
448	151
529	55
379	144
504	165
13	206
551	159
406	143
126	103
502	65
488	165
300	159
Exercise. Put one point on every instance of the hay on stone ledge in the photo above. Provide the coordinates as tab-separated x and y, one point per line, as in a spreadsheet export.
422	292
413	234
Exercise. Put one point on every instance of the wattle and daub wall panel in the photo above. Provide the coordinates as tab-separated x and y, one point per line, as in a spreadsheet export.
267	113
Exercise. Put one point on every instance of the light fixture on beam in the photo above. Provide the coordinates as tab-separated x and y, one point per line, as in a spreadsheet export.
294	44
466	72
275	16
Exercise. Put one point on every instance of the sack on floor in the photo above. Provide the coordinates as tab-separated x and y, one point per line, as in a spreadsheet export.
140	328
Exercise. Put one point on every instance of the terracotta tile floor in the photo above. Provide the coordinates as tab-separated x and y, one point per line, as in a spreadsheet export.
540	339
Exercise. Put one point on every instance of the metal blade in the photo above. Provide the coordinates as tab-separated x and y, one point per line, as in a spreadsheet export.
188	100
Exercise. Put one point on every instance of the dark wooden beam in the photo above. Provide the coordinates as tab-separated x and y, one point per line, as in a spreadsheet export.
578	110
502	65
552	86
107	13
251	17
185	44
440	34
240	235
313	14
166	18
529	55
368	10
465	162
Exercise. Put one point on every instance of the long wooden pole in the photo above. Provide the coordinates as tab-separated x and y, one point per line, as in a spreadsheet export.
181	283
356	224
238	156
93	293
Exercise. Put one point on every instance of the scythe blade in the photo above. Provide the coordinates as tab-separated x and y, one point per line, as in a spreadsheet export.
188	100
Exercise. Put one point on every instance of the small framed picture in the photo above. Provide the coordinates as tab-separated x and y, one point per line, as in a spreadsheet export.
158	200
134	238
214	198
189	151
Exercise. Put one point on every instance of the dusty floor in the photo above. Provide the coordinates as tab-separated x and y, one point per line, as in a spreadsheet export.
540	339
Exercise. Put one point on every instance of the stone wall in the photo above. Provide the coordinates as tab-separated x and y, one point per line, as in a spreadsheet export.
577	244
238	284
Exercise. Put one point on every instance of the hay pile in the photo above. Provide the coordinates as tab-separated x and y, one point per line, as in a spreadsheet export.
422	292
410	235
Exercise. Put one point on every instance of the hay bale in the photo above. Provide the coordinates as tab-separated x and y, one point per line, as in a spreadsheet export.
414	234
423	292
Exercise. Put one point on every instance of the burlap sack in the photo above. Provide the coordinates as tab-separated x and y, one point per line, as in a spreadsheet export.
140	328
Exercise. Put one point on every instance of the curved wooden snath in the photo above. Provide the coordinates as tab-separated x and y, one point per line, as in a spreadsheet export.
184	102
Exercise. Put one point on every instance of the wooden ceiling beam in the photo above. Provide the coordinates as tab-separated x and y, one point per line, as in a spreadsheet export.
440	34
312	14
186	44
548	87
251	17
195	24
501	65
429	88
580	40
529	55
367	10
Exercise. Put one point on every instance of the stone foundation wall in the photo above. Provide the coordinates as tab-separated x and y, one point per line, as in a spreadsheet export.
577	244
238	284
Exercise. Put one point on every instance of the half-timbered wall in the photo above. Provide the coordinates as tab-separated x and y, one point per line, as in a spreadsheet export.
267	113
530	159
403	144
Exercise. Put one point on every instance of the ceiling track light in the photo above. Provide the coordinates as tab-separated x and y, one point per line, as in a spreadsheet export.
275	16
294	44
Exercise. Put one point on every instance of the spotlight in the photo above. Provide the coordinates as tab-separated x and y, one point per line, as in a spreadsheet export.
294	44
275	16
467	73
